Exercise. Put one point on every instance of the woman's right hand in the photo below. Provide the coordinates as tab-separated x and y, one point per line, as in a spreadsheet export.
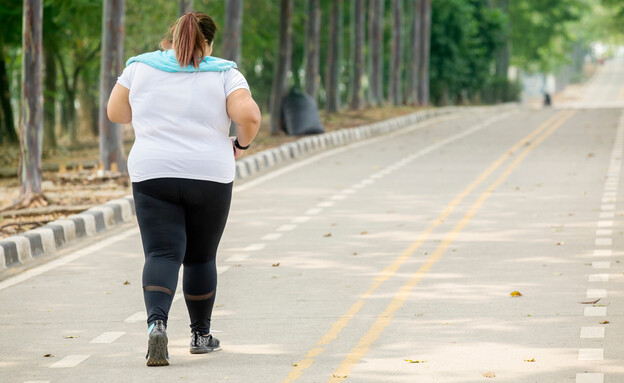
237	152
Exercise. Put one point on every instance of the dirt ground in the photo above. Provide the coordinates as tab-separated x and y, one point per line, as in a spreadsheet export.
73	181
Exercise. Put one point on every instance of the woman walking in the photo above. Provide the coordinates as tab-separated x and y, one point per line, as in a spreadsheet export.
181	102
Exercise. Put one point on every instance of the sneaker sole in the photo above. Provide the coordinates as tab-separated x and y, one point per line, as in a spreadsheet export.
204	350
158	351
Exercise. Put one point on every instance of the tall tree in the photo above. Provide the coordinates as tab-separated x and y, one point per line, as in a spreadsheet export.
31	119
375	41
111	140
425	39
283	64
503	57
185	6
10	36
313	48
395	64
232	39
415	41
358	56
331	85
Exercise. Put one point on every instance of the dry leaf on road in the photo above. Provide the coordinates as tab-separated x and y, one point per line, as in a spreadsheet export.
515	294
414	361
489	374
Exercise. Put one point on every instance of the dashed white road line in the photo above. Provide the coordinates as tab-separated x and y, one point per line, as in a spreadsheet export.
599	277
603	253
271	236
608	214
595	312
325	204
107	337
604	232
589	378
313	211
140	316
604	242
591	354
286	227
607	207
237	258
597	293
301	219
592	332
255	247
601	265
70	361
605	223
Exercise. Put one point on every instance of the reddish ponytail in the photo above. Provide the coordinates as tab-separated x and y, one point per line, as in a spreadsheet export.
189	36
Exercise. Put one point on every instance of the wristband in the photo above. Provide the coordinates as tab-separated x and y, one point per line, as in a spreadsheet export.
238	146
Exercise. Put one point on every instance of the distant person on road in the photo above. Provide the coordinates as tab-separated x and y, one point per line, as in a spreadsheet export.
181	102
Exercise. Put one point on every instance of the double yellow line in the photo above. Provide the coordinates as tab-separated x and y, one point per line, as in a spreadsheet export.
530	142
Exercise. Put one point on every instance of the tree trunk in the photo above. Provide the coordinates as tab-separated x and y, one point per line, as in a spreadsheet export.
232	41
111	140
185	6
283	65
31	119
358	56
313	49
502	60
395	65
87	105
7	123
415	49
49	101
423	66
375	40
331	86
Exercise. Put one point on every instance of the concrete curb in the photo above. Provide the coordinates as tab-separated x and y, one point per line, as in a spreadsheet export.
48	239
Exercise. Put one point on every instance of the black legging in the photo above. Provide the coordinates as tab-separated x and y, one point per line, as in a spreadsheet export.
181	222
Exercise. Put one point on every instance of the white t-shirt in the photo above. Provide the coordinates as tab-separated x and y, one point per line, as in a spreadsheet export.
180	123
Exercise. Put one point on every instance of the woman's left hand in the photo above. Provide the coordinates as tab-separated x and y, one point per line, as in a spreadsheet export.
237	152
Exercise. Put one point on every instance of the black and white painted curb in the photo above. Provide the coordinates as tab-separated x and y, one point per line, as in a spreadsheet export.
20	249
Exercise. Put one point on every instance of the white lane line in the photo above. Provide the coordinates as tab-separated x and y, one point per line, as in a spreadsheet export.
604	242
223	269
255	247
601	265
609	200
599	277
358	186
605	223
325	204
609	194
70	361
313	211
603	253
376	175
338	197
286	227
271	236
591	354
367	181
301	219
595	312
237	258
592	332
107	337
607	207
348	191
596	293
611	188
608	214
26	275
589	377
141	316
604	232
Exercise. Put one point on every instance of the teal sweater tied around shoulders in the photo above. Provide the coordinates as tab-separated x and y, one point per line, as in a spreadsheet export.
166	61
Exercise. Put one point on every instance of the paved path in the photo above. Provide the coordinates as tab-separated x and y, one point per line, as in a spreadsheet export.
390	260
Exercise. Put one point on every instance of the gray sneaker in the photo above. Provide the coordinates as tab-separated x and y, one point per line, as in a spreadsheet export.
201	344
157	353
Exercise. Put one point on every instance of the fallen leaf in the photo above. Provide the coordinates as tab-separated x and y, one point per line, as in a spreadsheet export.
339	376
590	155
561	243
355	253
489	374
126	283
557	274
605	322
327	235
276	264
71	336
47	355
364	232
530	360
414	361
515	294
590	302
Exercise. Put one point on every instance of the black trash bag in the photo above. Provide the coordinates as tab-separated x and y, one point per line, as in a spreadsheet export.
300	115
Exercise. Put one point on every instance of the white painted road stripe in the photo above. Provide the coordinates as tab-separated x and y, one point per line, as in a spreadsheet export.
26	275
604	232
108	337
599	277
595	312
136	317
596	293
300	219
589	378
605	223
604	242
608	214
325	204
603	253
313	211
591	354
70	361
286	227
271	236
592	332
237	258
601	265
255	247
607	207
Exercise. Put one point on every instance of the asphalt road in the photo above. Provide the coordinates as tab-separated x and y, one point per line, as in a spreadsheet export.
389	260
